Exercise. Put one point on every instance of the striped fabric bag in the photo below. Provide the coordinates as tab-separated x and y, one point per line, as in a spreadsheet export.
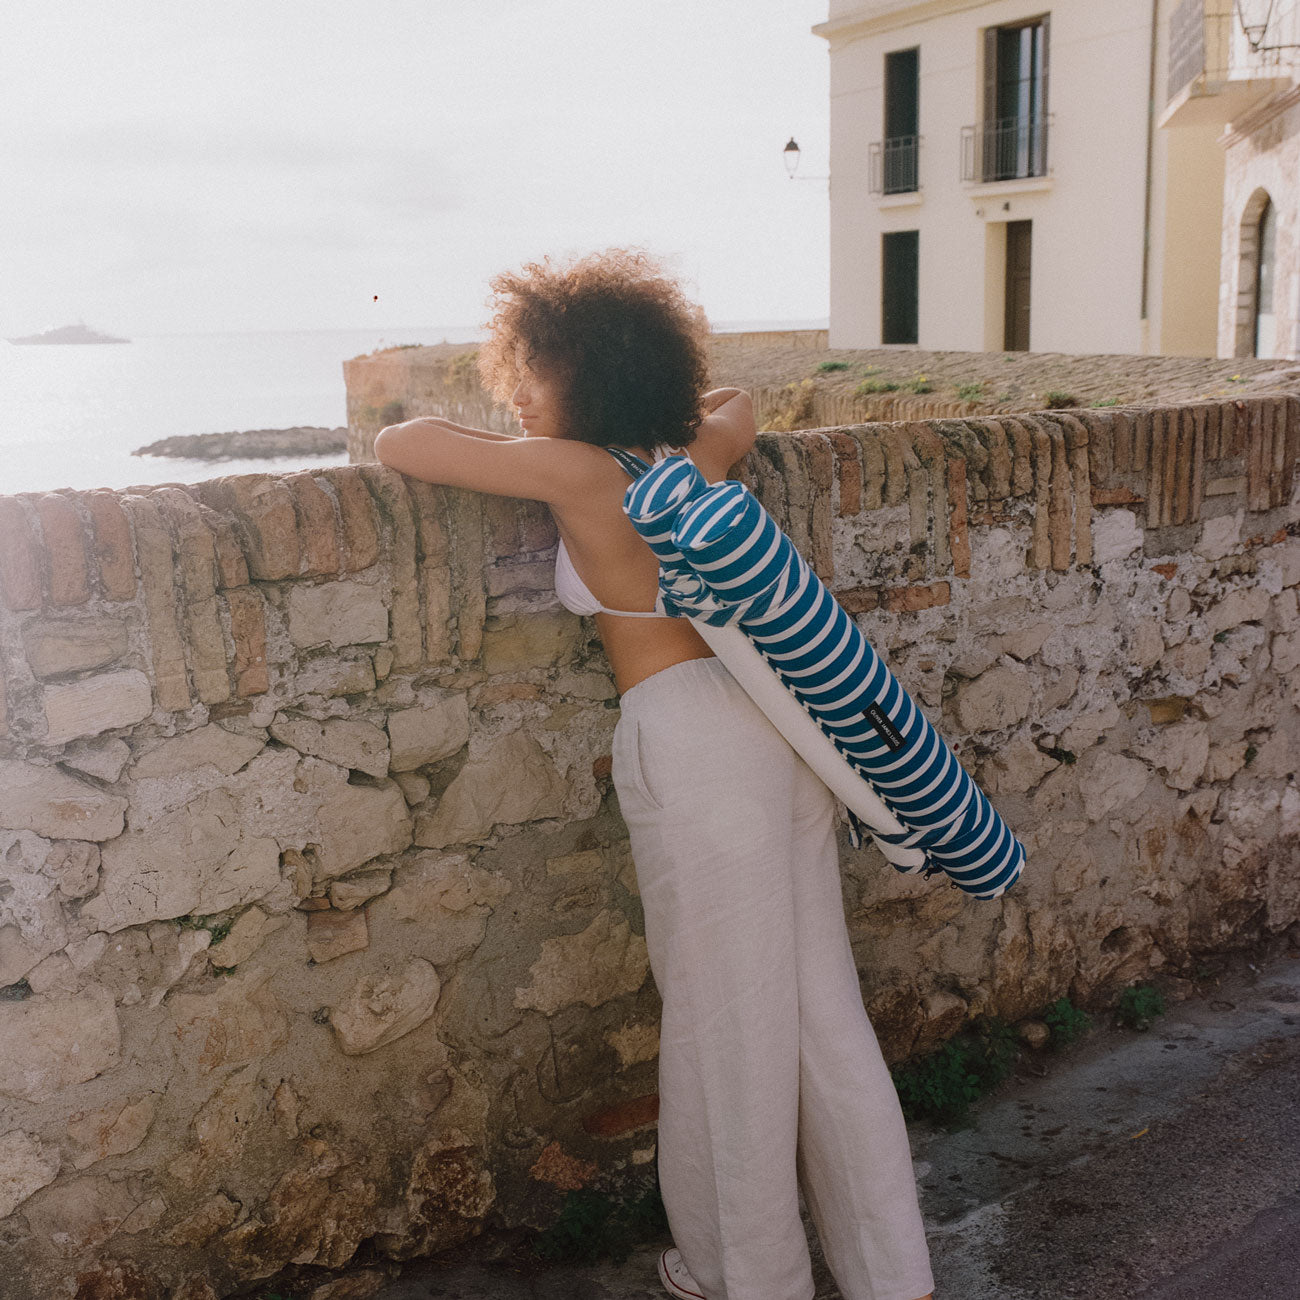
723	560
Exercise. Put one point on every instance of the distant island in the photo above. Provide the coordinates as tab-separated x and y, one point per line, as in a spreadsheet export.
304	440
78	333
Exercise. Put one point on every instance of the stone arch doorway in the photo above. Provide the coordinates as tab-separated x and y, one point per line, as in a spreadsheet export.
1256	243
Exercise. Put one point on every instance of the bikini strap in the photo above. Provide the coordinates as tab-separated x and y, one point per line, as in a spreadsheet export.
632	464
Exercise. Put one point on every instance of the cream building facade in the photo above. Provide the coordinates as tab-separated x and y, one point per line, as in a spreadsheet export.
1008	177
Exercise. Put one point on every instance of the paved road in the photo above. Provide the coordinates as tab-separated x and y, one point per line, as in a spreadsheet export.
1162	1165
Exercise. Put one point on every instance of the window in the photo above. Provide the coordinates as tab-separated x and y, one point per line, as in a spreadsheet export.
899	265
1014	129
902	118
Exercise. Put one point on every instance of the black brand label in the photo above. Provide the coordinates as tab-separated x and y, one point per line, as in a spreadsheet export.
884	728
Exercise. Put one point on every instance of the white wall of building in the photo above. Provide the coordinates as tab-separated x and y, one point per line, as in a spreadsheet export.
1088	219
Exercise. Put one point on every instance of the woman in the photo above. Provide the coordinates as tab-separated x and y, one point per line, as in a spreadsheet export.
770	1075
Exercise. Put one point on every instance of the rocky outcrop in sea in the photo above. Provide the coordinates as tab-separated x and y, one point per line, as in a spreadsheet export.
303	440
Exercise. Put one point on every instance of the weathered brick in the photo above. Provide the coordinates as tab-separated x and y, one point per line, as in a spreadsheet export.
996	476
1280	470
248	631
1257	456
819	459
1040	545
858	600
263	511
357	511
196	566
1116	496
933	455
901	600
320	543
958	528
65	549
155	548
388	487
20	577
1077	449
468	594
1060	501
1165	570
1020	433
873	467
623	1116
110	544
848	469
1196	484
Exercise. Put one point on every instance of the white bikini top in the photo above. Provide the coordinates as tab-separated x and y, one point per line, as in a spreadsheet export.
574	594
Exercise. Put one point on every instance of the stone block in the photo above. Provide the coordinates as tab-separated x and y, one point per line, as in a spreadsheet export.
384	1008
336	614
110	1130
439	907
1108	781
332	934
351	743
332	676
20	575
428	732
25	1167
103	759
52	803
155	553
360	525
519	642
111	552
998	698
1116	534
509	782
1018	767
263	510
1180	751
1088	728
318	534
65	549
94	704
210	746
601	962
1220	536
57	646
248	632
1241	605
53	1043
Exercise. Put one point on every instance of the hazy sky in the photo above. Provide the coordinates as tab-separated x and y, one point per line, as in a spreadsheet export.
276	165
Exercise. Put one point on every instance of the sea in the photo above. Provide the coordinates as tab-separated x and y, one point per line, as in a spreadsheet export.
74	415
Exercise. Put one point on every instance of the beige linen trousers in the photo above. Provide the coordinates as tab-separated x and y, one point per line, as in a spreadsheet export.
770	1075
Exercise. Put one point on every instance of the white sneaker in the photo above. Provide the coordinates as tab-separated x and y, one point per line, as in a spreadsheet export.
676	1277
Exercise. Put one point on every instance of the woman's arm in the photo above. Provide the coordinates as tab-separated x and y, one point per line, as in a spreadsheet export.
727	431
553	470
469	432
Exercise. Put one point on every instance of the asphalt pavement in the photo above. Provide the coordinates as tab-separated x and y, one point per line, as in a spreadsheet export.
1139	1165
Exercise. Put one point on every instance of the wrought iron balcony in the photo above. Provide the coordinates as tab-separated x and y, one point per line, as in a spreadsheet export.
893	164
1004	149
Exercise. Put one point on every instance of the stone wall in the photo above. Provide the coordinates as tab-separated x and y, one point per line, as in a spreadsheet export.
318	926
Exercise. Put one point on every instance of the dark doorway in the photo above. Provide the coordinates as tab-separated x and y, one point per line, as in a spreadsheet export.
1016	327
899	265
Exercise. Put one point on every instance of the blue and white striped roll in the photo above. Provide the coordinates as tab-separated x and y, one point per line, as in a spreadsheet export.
722	540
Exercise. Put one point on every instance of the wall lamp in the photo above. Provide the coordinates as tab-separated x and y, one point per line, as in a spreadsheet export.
791	155
1255	17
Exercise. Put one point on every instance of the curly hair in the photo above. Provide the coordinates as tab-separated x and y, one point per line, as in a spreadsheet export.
626	344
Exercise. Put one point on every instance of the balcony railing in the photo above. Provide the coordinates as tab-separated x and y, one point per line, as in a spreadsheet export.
894	164
1004	149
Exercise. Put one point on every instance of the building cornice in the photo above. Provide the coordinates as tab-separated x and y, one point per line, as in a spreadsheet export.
1250	122
886	15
